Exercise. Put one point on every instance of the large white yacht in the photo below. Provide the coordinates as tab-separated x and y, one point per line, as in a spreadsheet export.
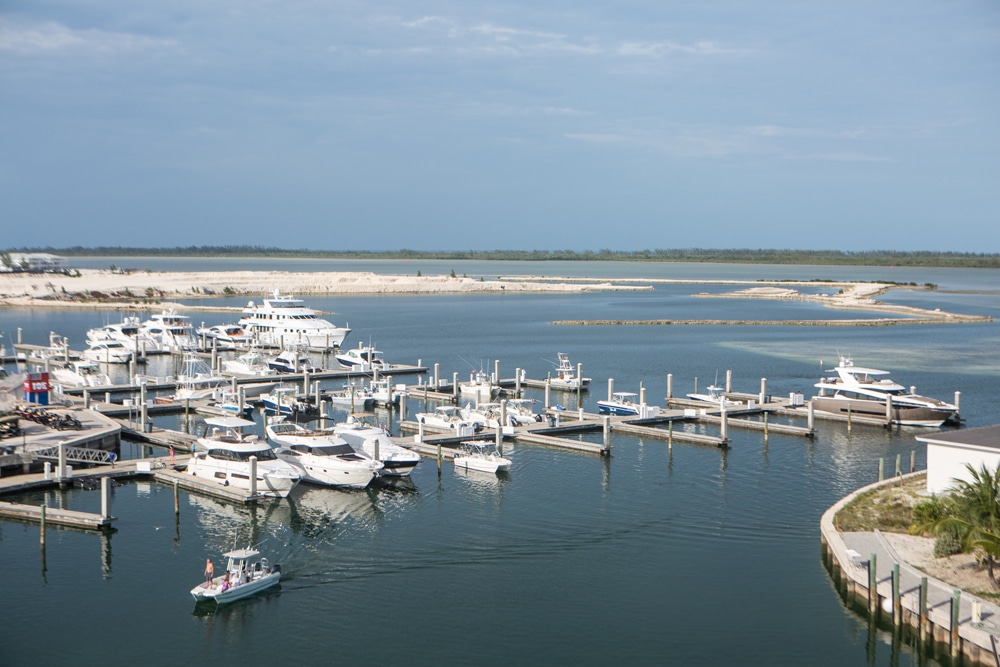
171	331
223	456
369	439
322	457
128	331
865	392
283	320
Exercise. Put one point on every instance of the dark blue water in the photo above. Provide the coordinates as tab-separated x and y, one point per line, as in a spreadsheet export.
689	556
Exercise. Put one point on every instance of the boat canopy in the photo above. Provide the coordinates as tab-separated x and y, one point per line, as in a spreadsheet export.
228	422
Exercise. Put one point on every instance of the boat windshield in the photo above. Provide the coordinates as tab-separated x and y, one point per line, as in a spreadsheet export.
332	450
230	455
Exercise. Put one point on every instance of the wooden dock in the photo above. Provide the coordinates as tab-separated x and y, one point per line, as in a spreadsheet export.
54	516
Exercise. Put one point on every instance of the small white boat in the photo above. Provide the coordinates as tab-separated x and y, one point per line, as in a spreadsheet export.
249	364
196	379
482	456
322	457
352	397
223	456
520	412
565	375
715	395
233	404
363	358
624	403
447	418
291	360
224	337
80	373
283	401
245	575
369	439
478	389
108	352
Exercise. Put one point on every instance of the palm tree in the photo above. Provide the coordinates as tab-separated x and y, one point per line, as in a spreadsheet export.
973	513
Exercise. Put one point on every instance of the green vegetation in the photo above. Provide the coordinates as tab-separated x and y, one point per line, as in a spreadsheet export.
888	508
968	520
736	255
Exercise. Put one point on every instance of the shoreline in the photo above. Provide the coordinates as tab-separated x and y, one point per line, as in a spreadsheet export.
154	290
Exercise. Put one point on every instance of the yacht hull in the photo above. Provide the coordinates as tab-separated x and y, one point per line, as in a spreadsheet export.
903	415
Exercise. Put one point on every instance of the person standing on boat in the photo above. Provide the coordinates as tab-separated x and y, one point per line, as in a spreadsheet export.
209	571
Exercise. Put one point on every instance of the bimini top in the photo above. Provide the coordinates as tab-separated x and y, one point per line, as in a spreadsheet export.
229	422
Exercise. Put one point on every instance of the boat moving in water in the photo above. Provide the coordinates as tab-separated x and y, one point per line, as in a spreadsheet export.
245	575
867	392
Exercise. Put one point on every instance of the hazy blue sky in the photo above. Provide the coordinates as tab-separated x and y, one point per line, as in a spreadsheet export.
855	125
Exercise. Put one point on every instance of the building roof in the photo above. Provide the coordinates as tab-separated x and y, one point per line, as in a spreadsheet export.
982	436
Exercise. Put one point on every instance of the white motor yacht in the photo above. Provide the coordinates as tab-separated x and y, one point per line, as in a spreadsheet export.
223	456
372	440
478	389
481	456
866	392
291	360
566	376
128	331
363	358
322	457
249	364
224	337
447	418
520	411
108	352
170	331
80	373
244	575
625	403
284	320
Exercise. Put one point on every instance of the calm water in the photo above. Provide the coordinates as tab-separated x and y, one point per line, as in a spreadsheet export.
692	557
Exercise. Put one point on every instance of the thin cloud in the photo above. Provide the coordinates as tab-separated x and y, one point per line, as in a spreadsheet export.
51	37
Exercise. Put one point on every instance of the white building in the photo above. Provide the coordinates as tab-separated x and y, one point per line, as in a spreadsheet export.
948	454
34	261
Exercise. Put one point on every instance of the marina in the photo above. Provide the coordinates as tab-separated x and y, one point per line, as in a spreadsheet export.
666	491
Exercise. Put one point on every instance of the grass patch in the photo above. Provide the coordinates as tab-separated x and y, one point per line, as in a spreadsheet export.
888	508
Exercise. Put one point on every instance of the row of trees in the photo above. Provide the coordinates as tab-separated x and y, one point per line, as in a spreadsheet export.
735	255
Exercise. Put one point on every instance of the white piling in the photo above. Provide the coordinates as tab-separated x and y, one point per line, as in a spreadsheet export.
61	468
607	429
811	420
670	386
611	388
888	409
548	389
106	497
437	375
454	385
253	475
958	398
763	390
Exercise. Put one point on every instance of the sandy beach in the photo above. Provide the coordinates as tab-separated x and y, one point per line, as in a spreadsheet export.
138	289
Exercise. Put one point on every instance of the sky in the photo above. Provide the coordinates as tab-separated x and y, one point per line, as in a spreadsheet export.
544	125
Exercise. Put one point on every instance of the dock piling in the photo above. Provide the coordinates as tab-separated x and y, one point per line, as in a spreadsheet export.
913	460
881	469
811	418
607	430
611	388
923	610
729	381
454	385
253	475
106	497
956	599
579	384
41	535
437	376
897	610
888	410
872	585
763	391
670	386
177	499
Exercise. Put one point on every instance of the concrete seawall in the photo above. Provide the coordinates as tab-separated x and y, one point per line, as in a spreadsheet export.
906	597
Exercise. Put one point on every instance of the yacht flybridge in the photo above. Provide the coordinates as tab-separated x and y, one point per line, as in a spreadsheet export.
283	320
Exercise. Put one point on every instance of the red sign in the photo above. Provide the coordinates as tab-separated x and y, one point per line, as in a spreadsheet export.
36	383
